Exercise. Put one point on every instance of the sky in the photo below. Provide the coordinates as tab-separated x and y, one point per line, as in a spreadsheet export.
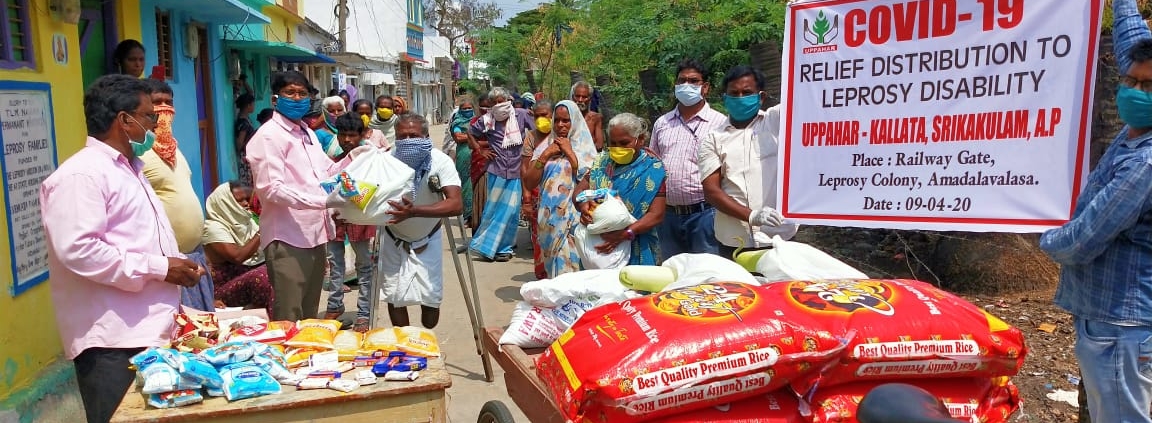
513	7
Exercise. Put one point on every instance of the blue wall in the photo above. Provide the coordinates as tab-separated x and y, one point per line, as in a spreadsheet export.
183	82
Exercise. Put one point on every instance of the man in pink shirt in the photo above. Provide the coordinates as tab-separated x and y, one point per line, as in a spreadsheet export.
116	269
287	166
676	137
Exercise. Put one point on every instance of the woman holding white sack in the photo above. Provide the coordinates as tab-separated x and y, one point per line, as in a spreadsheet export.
558	163
638	177
411	251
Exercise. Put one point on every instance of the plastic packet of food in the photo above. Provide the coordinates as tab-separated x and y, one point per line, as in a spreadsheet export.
399	362
230	325
267	333
174	398
417	341
365	193
297	357
195	332
365	377
232	352
343	385
401	376
158	375
383	339
312	383
315	333
247	380
348	343
193	367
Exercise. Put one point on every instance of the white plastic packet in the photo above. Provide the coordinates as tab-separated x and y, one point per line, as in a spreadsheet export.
797	261
591	259
392	179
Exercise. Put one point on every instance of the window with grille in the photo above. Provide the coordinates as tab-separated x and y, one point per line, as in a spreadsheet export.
16	36
164	41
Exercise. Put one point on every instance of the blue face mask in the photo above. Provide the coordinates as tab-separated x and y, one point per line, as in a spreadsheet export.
293	109
742	109
1134	107
467	114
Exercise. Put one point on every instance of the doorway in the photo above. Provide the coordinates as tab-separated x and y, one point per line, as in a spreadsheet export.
205	113
98	38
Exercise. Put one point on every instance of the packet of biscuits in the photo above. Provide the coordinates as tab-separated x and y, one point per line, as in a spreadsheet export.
195	332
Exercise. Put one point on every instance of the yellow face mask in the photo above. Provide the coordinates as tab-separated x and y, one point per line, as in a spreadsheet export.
384	113
366	119
544	125
622	155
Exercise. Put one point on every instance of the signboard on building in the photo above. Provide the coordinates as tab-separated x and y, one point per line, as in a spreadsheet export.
415	42
28	137
936	115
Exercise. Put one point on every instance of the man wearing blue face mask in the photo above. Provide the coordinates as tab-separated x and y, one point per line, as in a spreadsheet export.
287	167
688	225
738	165
1104	251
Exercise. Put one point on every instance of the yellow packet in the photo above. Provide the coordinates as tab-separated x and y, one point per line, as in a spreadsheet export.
417	341
366	191
383	339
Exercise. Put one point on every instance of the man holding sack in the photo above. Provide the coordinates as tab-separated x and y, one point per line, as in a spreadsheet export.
411	245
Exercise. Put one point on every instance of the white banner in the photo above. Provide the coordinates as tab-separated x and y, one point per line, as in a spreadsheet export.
969	115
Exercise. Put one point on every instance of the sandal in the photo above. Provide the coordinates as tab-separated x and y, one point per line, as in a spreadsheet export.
362	325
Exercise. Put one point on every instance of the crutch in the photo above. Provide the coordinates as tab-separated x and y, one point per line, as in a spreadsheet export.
376	279
467	287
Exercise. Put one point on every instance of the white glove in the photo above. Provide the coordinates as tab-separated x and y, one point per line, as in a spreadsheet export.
766	217
360	150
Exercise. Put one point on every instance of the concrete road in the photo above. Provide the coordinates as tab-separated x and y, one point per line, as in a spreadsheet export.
498	285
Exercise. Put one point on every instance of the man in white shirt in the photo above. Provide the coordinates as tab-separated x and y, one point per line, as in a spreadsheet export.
738	163
411	247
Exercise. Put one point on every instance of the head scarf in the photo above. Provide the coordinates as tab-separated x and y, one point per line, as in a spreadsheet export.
513	135
229	223
165	146
579	136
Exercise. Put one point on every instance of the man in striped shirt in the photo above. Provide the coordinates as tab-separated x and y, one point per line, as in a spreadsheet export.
688	225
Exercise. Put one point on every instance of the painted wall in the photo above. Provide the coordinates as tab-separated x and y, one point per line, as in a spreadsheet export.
185	127
29	342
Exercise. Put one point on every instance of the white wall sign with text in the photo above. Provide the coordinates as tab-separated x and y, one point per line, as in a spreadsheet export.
28	136
969	115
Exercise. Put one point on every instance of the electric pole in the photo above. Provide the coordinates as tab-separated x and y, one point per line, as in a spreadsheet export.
342	16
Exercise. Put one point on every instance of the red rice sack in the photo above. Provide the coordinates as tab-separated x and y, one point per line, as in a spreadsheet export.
681	350
973	400
902	329
776	407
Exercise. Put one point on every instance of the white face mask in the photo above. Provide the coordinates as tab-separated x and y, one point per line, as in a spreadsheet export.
502	111
689	94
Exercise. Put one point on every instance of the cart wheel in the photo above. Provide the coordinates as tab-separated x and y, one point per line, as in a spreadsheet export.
495	412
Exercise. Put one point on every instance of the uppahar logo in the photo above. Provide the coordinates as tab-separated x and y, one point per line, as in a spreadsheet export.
821	33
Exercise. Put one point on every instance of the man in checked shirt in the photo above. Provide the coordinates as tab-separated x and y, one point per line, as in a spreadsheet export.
688	225
1105	251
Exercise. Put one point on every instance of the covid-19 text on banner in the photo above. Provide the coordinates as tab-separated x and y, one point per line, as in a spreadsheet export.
968	115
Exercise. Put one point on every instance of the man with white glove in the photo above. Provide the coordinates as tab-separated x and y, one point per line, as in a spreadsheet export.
738	163
766	217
